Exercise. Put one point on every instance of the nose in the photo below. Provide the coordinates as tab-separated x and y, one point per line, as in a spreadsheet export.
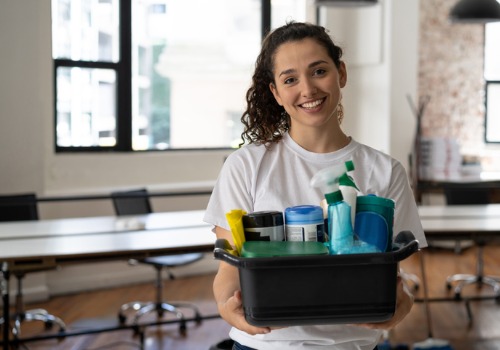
309	90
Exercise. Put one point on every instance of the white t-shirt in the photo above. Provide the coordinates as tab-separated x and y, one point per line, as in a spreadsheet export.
254	178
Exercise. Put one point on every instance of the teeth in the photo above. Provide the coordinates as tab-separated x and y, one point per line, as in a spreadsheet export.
312	104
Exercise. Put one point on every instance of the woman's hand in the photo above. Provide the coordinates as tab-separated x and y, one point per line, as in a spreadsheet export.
404	302
227	293
232	312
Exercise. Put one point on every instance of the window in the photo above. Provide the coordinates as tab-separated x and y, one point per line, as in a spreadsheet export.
492	76
141	75
134	75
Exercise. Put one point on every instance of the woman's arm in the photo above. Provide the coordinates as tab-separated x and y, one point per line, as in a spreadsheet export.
227	293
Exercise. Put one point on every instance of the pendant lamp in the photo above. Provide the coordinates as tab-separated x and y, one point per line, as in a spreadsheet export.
475	11
345	3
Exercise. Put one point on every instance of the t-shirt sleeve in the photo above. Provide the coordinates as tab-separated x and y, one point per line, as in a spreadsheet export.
232	191
406	215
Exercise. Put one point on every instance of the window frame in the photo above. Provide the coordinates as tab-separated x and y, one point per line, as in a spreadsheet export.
487	82
123	70
486	85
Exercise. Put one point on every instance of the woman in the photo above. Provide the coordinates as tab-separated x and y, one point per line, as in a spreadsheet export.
292	130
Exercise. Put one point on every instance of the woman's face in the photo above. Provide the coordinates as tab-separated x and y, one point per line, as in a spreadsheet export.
307	83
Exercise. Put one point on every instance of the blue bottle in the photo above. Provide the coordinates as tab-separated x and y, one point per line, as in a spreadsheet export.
339	224
340	230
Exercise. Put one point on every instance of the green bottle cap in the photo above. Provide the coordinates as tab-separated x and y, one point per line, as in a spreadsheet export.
334	197
349	165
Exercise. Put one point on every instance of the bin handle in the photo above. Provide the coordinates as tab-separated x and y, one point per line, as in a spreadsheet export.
408	245
404	237
225	252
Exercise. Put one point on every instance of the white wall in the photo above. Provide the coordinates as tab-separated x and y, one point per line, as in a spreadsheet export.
25	98
374	100
381	54
366	95
403	30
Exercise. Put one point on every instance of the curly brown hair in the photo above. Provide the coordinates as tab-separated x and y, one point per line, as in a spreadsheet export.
264	120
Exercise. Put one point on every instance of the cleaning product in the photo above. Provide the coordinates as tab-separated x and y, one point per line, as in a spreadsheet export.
349	192
263	249
375	221
339	224
264	226
304	223
340	229
235	221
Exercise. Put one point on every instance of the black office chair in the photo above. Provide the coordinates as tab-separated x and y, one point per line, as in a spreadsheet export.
23	207
470	194
456	193
137	202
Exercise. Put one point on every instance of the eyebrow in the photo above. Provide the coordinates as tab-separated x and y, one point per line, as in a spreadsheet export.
311	65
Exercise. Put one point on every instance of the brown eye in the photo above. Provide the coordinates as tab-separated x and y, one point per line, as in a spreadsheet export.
320	71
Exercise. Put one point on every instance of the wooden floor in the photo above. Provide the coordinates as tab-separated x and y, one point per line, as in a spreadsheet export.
449	319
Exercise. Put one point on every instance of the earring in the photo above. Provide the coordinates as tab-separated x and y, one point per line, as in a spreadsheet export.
340	112
285	119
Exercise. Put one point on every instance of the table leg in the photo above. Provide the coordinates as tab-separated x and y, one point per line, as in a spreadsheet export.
6	304
426	295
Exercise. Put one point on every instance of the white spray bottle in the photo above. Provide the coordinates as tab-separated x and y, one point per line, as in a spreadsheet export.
349	189
340	229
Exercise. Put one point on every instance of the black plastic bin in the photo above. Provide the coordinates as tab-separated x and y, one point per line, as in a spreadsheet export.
321	289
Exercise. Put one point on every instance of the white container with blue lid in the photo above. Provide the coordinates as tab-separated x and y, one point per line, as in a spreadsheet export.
304	223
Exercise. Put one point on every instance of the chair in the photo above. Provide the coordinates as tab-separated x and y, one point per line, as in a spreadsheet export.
456	193
470	194
136	202
23	207
411	280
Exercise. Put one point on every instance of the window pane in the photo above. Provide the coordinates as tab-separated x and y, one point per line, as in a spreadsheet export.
85	30
192	64
86	100
493	112
492	51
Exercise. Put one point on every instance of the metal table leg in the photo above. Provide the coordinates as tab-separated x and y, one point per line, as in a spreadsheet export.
4	285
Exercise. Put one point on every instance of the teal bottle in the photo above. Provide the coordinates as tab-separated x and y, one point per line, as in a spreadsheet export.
339	224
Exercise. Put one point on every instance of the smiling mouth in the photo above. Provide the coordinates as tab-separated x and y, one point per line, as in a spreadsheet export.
313	104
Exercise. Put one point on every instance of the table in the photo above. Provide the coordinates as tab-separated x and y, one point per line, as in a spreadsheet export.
488	181
99	224
461	222
480	223
80	240
459	211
